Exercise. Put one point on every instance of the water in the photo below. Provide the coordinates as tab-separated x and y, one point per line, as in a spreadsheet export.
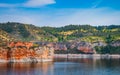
64	67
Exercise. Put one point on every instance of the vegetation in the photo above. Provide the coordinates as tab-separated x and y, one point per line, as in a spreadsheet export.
66	33
27	32
85	33
108	49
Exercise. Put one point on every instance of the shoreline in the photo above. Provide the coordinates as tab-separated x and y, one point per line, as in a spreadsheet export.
26	61
93	56
69	56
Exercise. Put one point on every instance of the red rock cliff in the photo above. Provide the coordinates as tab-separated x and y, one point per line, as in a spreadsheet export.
24	52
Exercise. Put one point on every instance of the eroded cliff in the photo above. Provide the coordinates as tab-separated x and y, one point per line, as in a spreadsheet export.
25	52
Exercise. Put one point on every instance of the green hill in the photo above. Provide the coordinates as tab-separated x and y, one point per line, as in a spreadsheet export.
85	33
28	32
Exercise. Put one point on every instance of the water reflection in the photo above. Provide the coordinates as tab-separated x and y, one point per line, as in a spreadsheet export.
88	66
64	67
26	68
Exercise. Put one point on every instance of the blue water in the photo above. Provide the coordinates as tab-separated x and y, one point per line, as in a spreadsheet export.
64	67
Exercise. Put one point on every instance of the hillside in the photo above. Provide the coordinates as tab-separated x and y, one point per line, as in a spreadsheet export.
5	38
85	33
27	32
70	38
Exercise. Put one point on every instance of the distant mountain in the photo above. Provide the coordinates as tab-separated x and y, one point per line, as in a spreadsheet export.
28	32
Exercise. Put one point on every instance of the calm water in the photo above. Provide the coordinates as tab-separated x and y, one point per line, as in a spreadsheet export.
64	67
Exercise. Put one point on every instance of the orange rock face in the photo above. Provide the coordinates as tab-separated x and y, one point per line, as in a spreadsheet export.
20	44
3	54
86	50
21	51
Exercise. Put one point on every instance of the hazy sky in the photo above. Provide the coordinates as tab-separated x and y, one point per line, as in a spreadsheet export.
60	12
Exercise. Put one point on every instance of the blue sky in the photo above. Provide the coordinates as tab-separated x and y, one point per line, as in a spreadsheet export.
60	12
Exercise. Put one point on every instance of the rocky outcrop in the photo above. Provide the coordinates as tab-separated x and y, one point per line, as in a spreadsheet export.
60	46
115	43
25	52
86	47
74	47
20	44
82	47
56	46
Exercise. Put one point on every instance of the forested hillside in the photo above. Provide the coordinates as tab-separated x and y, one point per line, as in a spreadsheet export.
103	39
87	33
26	32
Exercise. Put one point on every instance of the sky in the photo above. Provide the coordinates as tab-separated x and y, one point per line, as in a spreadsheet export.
58	13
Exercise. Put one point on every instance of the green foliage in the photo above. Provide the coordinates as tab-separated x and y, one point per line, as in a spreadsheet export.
108	49
23	31
61	34
109	39
107	33
26	32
